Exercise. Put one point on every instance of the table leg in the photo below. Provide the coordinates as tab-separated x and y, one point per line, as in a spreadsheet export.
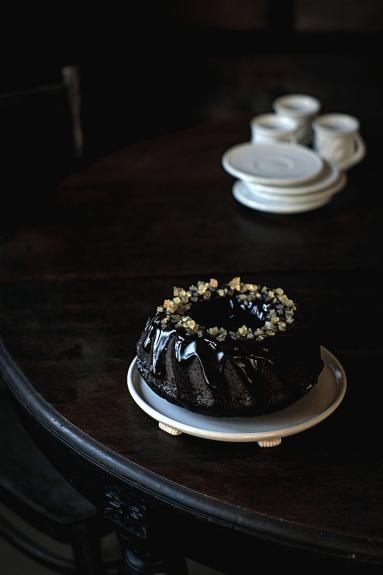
142	558
146	545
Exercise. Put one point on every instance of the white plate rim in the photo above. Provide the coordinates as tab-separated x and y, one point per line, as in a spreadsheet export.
327	356
297	200
269	181
305	200
282	209
278	209
317	185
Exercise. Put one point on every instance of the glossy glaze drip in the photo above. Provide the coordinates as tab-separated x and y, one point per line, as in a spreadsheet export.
212	356
226	369
211	359
156	342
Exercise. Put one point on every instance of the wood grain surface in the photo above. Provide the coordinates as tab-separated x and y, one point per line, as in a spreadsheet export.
80	278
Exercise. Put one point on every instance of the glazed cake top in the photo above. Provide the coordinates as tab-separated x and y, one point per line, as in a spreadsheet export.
236	310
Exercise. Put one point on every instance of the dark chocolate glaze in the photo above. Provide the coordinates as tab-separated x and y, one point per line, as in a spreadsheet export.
272	372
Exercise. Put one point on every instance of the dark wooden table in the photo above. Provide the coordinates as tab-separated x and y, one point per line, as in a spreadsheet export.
77	284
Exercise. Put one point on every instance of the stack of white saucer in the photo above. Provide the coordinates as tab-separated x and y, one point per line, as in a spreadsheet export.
277	171
282	178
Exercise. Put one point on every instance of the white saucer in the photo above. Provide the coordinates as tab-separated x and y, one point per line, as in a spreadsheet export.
284	200
247	198
329	176
249	193
272	164
267	430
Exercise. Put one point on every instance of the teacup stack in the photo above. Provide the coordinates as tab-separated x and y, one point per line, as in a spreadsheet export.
277	173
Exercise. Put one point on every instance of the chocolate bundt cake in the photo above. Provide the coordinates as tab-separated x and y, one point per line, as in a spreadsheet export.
236	349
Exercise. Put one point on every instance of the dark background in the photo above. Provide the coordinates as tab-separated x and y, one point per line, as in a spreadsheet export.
75	87
157	67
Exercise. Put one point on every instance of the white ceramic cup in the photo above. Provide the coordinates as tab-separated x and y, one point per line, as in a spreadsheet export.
337	139
271	128
302	109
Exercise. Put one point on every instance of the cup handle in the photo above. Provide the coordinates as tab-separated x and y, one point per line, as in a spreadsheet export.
360	152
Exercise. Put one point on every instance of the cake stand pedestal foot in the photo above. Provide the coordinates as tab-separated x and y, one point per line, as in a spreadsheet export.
168	429
273	442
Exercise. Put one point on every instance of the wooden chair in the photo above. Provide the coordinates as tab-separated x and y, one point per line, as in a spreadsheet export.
34	491
40	142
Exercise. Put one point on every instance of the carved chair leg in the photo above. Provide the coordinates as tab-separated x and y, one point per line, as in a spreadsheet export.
86	551
141	557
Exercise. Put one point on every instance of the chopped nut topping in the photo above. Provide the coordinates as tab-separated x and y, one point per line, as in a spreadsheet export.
235	283
243	330
279	309
169	304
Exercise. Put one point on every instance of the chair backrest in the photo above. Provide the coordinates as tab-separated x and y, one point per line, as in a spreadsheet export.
37	140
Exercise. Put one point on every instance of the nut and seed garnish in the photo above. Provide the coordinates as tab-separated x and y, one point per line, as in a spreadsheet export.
279	309
213	330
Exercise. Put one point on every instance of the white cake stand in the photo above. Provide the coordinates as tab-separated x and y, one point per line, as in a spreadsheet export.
266	430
